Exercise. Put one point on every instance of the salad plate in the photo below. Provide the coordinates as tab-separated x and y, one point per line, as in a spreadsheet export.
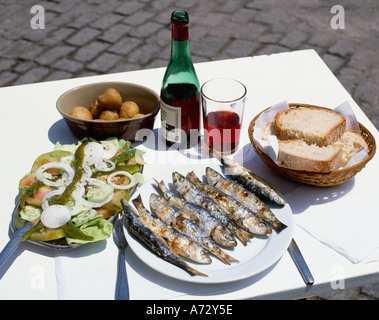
259	254
81	184
48	244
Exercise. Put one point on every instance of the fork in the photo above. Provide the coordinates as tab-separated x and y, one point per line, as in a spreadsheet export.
122	288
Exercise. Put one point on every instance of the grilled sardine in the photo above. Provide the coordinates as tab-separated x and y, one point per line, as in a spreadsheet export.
152	241
192	194
241	215
178	242
251	181
245	197
174	217
209	224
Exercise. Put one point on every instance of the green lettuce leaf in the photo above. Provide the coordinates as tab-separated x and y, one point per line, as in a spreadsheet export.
123	145
91	224
65	147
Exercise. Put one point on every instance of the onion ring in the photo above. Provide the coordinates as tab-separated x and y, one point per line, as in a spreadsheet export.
80	202
123	173
56	165
93	152
45	200
55	216
109	149
102	165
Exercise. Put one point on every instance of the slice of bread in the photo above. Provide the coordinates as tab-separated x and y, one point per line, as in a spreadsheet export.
269	130
313	125
350	142
297	154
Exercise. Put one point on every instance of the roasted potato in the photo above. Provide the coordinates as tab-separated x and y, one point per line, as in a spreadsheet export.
110	99
95	109
81	113
138	115
108	115
129	109
108	106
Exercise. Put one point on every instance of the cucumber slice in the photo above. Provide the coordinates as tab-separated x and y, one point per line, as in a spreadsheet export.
99	193
30	213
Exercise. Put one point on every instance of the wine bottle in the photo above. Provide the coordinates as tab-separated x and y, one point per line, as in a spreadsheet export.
180	92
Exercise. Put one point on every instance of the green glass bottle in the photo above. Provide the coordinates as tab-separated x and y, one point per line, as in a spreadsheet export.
180	92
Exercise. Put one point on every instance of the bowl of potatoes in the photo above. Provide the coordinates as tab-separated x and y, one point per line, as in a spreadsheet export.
109	109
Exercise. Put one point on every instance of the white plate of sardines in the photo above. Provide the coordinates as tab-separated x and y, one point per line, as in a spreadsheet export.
201	223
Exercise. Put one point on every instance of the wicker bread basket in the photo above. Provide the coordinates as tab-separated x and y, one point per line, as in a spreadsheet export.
315	178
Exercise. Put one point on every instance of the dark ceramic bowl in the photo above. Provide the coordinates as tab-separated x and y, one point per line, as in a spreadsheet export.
85	95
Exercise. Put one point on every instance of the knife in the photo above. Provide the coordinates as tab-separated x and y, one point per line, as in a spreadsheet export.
300	263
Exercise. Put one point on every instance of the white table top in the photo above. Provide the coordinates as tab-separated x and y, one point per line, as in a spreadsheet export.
31	126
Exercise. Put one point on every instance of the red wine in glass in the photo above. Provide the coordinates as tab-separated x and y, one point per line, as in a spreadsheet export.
222	131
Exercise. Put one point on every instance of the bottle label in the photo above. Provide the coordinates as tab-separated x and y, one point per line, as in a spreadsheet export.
171	122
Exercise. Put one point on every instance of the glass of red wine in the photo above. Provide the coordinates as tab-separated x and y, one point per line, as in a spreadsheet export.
223	102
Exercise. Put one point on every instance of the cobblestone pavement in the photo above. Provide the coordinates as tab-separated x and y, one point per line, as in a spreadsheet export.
91	37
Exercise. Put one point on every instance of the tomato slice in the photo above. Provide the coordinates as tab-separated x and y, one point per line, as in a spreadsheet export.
47	234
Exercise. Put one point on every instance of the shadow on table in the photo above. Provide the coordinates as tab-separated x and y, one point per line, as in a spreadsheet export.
298	195
186	287
153	140
305	196
59	132
84	250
